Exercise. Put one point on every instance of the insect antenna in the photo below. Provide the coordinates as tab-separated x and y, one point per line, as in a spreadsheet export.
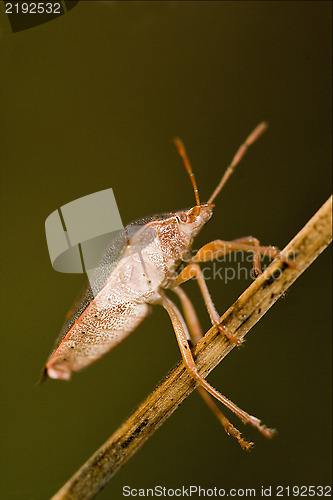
255	134
182	153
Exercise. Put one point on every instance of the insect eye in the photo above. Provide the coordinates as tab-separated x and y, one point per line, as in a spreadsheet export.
183	217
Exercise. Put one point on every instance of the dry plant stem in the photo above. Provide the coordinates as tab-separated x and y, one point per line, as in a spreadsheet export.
177	385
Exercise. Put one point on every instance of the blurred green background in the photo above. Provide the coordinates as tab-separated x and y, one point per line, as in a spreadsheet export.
92	100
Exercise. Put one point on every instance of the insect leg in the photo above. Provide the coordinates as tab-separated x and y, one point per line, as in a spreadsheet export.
196	334
256	254
191	317
180	329
194	271
218	248
248	240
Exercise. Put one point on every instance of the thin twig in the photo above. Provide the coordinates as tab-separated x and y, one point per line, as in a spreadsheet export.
177	385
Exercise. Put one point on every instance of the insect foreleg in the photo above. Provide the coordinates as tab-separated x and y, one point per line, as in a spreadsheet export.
256	254
180	329
194	271
196	334
219	248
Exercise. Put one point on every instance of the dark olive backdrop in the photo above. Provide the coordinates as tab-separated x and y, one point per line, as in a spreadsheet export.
92	100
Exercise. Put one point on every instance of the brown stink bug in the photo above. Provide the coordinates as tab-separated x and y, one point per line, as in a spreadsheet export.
132	275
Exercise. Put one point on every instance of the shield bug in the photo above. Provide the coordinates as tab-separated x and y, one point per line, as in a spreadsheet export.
132	276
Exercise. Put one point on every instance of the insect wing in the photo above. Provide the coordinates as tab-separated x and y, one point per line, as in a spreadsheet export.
101	316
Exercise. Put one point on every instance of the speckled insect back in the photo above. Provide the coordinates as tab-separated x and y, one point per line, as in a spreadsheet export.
132	276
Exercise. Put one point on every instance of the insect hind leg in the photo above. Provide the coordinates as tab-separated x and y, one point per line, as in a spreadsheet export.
180	329
196	334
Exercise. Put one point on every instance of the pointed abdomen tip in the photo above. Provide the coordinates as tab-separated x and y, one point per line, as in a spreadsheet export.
58	372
